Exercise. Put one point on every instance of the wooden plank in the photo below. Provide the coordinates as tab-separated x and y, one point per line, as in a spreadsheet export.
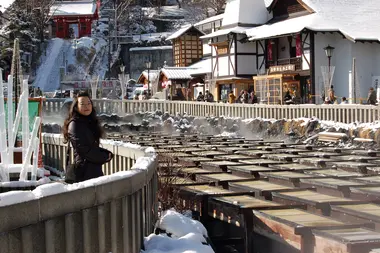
292	225
260	162
254	153
218	165
289	178
236	209
234	157
365	212
333	173
281	157
293	166
330	186
261	189
352	240
221	179
209	154
360	167
369	193
315	202
249	170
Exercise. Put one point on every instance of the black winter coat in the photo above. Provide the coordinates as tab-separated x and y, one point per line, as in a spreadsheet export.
88	156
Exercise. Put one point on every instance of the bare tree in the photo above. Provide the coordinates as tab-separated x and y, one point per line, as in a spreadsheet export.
216	5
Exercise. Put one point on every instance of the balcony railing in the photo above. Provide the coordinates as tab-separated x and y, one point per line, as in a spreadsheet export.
297	61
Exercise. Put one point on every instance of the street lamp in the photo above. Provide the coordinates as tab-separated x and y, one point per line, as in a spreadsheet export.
148	65
123	81
329	50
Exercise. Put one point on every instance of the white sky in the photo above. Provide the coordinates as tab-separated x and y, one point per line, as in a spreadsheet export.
5	3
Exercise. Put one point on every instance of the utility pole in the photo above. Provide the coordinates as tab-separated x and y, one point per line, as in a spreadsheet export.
115	32
109	51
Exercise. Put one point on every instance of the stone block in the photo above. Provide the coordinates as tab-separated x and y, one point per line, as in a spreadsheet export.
18	215
67	202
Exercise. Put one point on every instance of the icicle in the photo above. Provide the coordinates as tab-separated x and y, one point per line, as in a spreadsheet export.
25	119
3	134
31	147
35	159
16	122
10	119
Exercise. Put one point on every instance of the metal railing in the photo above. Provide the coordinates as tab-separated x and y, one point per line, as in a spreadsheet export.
297	61
340	113
109	214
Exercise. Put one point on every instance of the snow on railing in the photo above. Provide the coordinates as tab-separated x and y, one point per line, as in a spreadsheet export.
339	113
108	214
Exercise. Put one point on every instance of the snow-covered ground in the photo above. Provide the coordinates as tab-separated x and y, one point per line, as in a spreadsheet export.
48	72
77	55
186	235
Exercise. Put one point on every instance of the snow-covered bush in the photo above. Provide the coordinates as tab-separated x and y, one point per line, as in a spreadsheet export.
179	234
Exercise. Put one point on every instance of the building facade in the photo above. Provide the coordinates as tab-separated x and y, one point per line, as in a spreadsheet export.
73	19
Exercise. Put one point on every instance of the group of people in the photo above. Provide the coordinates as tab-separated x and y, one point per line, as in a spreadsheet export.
207	97
332	99
243	98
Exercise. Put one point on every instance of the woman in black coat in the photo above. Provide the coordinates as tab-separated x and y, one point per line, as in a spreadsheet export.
83	130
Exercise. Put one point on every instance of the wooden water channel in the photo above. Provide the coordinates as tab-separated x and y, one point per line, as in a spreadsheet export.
268	196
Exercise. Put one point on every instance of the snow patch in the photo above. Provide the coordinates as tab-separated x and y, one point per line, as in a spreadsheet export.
179	225
187	236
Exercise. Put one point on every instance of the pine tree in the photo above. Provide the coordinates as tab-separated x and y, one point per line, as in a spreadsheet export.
19	25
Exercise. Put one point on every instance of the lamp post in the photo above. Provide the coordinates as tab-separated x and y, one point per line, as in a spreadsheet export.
148	65
329	50
123	80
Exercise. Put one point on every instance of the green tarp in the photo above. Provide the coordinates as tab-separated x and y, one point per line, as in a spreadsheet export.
33	113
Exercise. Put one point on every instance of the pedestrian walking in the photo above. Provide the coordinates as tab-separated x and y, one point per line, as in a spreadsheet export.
83	131
371	97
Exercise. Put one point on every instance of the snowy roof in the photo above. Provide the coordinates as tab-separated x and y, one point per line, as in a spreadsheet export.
251	12
268	3
173	73
182	31
153	73
150	48
355	20
209	20
236	29
73	8
201	67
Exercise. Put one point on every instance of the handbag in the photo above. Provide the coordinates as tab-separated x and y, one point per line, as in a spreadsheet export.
70	177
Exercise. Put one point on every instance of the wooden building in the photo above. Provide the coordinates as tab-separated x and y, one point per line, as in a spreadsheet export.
187	46
286	65
73	19
233	60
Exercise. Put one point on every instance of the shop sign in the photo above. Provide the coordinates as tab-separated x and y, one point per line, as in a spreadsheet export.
282	68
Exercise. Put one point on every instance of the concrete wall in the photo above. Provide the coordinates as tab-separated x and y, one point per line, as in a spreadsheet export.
106	216
367	62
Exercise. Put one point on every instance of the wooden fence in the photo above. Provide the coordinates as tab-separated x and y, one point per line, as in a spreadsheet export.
339	113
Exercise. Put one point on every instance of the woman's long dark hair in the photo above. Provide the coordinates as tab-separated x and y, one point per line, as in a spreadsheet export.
73	113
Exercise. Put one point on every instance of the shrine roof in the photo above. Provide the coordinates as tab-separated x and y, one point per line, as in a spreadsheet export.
79	8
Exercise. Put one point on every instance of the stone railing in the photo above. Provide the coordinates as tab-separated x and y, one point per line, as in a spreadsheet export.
339	113
108	214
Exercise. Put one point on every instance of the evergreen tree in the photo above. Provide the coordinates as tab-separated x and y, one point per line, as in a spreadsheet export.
19	25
